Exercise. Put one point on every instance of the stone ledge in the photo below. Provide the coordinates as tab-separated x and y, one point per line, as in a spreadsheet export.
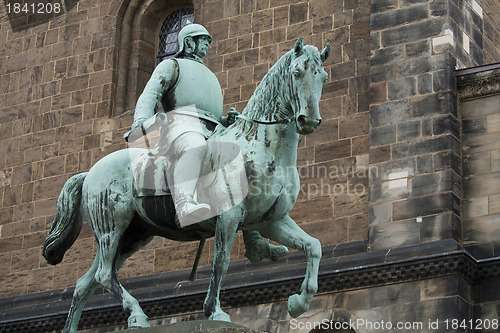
479	81
224	330
197	326
413	263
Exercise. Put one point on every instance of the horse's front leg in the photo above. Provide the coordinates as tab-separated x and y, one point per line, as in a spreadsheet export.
288	233
225	235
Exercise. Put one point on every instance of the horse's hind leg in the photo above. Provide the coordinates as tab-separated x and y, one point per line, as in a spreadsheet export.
85	287
106	275
288	233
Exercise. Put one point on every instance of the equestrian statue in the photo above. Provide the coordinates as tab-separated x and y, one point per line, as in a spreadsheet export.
208	176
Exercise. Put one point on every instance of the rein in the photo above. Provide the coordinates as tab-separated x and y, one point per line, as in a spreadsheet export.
282	121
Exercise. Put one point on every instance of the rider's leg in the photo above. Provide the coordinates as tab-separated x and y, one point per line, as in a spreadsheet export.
190	149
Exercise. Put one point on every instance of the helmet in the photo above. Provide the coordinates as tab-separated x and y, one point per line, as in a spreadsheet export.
191	30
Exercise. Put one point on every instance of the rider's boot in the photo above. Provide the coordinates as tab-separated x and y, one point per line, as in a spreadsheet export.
186	174
189	211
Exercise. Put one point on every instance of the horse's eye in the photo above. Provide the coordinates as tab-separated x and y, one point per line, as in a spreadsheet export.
296	73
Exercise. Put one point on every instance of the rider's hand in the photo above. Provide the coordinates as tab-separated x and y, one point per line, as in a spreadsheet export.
231	116
137	123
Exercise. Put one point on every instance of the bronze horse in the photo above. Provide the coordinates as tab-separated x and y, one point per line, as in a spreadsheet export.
284	106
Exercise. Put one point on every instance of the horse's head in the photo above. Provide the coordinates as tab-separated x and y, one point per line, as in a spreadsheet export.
306	79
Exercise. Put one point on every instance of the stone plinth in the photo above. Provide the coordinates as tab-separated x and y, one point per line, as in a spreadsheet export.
198	326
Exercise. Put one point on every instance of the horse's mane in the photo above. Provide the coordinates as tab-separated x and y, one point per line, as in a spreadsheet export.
267	92
264	101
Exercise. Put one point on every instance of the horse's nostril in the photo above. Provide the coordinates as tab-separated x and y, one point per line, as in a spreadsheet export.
302	120
319	121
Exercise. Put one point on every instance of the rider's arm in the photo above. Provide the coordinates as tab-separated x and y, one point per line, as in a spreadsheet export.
163	78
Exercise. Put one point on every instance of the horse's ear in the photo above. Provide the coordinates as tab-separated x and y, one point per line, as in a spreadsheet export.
299	45
325	53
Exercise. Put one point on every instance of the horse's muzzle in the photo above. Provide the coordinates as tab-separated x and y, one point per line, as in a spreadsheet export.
306	125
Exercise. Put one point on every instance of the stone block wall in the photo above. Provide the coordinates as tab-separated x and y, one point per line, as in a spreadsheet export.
67	84
482	172
481	179
479	92
249	36
415	184
56	93
491	31
480	111
419	306
384	168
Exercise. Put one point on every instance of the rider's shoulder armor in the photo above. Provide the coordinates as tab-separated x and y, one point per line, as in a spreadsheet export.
196	85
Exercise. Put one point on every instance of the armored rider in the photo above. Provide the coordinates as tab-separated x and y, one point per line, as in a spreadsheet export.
191	96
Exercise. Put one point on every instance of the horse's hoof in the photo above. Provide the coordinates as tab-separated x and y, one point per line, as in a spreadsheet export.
295	306
221	316
138	321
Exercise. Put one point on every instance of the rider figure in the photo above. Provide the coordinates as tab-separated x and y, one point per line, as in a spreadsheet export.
192	97
191	92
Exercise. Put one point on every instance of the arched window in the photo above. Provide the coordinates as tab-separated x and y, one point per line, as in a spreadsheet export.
146	34
167	39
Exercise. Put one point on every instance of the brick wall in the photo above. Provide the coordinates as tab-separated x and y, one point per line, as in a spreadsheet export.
384	168
420	305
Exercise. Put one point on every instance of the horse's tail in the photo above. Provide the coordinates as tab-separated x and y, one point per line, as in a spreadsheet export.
67	222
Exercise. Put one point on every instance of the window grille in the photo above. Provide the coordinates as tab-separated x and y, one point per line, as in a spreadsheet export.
168	46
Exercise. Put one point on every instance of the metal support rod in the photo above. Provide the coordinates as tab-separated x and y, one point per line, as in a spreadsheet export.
192	277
